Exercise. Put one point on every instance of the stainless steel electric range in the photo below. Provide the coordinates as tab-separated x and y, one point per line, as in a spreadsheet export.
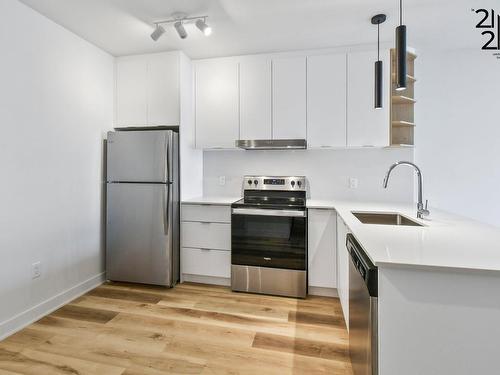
269	237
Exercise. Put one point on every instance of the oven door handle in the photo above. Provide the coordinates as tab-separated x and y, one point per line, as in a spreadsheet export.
265	212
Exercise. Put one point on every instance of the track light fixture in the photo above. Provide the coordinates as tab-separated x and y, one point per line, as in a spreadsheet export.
179	20
157	33
401	51
204	28
379	67
180	30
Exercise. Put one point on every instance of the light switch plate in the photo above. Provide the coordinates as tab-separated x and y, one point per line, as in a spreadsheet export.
222	180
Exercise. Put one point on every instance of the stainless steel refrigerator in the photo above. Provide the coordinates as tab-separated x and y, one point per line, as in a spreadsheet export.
142	232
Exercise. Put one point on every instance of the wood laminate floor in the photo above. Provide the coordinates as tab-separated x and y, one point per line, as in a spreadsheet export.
127	329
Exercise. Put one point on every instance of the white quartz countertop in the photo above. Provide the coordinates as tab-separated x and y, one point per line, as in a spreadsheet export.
224	201
446	240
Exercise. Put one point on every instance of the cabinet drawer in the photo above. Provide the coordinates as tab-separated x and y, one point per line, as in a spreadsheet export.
214	236
206	213
213	263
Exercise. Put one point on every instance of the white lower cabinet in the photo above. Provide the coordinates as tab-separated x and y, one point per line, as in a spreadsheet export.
343	268
206	235
322	248
206	213
213	263
206	243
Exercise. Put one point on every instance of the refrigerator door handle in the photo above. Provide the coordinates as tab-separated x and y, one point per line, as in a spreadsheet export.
168	161
166	209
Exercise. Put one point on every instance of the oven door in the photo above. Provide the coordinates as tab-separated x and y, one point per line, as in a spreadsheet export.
269	238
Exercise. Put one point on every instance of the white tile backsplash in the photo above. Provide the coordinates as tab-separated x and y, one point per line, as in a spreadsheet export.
328	171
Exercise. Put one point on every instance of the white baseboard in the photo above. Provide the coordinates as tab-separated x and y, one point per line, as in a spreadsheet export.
20	321
205	279
323	292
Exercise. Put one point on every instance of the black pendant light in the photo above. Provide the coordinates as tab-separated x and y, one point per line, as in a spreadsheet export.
379	65
401	51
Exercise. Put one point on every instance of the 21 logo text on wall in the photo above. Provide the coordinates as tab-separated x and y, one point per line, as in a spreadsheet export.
491	22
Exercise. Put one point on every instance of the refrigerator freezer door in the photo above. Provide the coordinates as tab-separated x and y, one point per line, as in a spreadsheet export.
139	156
139	234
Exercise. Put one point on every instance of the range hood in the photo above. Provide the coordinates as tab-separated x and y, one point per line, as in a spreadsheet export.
272	144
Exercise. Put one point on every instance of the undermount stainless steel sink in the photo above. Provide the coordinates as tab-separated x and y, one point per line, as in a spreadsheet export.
385	219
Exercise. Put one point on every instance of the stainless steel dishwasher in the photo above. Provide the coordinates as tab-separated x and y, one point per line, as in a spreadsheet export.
363	310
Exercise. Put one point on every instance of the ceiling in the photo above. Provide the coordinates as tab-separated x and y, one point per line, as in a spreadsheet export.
122	27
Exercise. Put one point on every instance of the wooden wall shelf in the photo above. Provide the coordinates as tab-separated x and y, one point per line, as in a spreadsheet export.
395	145
403	105
410	78
402	123
409	55
400	99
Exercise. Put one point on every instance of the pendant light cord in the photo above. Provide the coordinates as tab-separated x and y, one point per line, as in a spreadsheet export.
400	12
378	42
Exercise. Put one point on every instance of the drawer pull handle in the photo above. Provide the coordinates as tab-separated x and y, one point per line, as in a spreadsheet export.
268	259
205	249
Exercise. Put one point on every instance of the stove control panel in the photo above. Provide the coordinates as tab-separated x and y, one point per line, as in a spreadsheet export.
289	183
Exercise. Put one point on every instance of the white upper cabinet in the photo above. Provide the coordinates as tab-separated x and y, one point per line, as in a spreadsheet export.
367	126
255	98
131	92
217	103
322	246
326	101
163	89
289	98
147	90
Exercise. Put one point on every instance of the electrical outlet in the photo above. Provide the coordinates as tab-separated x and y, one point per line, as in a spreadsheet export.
36	270
353	183
222	180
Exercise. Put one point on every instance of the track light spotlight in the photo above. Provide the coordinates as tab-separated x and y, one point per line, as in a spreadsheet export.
204	28
157	33
180	30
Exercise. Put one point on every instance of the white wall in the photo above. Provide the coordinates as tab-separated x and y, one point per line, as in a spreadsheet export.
328	171
458	131
56	102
